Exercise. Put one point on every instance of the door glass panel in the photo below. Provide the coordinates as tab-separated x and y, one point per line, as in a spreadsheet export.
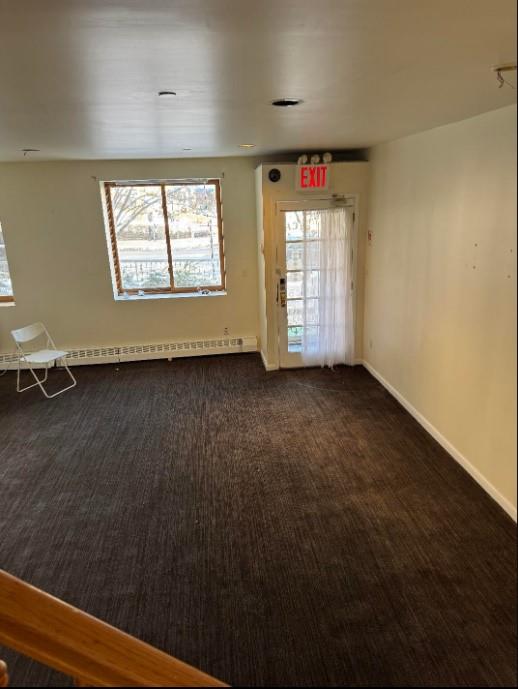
295	312
312	255
294	225
312	225
311	336
295	334
312	278
311	312
302	270
302	311
294	255
300	255
295	284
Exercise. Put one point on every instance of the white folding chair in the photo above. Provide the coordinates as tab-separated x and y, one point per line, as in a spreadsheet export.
46	356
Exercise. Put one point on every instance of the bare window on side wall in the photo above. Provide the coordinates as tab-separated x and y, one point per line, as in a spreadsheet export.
6	287
166	236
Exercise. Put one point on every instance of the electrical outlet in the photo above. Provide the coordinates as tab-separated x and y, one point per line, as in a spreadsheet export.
225	331
370	344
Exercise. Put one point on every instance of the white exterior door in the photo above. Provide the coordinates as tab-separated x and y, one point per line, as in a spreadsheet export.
298	276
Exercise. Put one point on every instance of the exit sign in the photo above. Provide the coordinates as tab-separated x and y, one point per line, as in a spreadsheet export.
312	177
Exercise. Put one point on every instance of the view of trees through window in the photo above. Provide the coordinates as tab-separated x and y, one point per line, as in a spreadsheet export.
6	288
167	235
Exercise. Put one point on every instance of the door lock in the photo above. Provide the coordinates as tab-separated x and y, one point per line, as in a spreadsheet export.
282	292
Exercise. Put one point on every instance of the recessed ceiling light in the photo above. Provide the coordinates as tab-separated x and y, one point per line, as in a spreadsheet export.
246	145
286	102
167	93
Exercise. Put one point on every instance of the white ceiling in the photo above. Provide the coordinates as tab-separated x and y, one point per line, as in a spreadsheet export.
79	78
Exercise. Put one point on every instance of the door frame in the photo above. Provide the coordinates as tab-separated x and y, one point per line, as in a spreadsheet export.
301	204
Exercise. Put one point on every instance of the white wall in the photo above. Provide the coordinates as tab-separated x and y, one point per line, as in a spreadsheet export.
52	219
440	286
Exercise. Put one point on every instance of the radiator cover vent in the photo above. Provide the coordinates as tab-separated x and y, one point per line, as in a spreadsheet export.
169	347
94	353
141	352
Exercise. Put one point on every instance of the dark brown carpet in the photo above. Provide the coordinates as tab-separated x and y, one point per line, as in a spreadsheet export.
291	528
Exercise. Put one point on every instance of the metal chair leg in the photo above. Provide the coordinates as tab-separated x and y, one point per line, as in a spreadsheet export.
38	381
69	387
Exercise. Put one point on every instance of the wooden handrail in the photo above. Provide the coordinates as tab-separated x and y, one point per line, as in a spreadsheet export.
94	653
4	677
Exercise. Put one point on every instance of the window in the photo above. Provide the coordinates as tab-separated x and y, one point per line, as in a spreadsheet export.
165	236
6	288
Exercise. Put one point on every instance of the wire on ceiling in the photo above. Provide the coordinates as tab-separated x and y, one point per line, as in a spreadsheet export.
501	80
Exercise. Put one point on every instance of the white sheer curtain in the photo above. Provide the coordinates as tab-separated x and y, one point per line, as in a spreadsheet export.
332	342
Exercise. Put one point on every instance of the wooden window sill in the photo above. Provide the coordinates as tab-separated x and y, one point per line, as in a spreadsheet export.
167	295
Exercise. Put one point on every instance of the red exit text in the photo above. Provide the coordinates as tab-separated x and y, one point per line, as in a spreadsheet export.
311	177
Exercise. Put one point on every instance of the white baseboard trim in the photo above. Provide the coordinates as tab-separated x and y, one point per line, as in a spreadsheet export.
267	366
115	354
276	367
504	503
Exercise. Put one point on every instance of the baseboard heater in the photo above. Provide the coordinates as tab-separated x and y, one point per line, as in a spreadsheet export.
141	352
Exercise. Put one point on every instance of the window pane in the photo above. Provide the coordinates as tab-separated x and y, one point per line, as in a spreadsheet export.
194	232
140	231
6	288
